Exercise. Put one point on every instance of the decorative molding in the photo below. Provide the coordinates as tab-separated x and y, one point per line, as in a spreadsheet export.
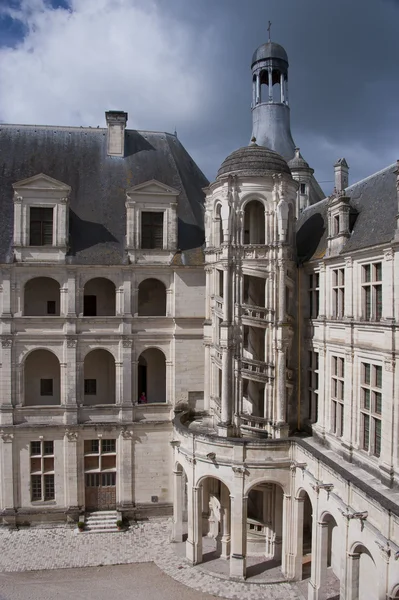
6	342
298	465
127	434
191	459
349	515
322	486
389	365
6	436
385	549
71	435
72	342
127	343
239	471
389	254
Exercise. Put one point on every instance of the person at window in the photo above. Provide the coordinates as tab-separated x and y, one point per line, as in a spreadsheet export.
143	398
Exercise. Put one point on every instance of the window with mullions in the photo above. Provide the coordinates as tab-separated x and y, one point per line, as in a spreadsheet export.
313	385
372	291
314	294
41	226
42	471
337	395
371	408
151	230
338	290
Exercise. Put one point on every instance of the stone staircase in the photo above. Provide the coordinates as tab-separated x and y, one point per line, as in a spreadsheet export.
101	521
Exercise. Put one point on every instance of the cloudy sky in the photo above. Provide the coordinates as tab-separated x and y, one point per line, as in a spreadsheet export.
185	64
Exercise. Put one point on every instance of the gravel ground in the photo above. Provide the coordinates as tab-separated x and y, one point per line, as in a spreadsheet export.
143	581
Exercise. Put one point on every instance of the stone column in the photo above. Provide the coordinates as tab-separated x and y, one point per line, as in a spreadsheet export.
135	391
322	291
226	408
319	559
270	81
7	471
297	538
258	89
125	468
135	301
281	383
71	299
388	309
348	308
119	301
126	413
169	382
71	471
169	302
6	285
63	301
194	539
118	382
207	375
225	522
352	567
6	407
177	526
282	88
238	546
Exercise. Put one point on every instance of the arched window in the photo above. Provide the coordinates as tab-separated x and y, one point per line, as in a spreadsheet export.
218	227
254	223
99	298
99	378
42	297
152	376
42	379
152	298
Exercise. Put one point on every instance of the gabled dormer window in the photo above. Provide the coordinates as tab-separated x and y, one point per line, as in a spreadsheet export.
40	219
151	211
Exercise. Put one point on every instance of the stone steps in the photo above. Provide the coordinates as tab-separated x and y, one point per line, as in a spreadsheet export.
102	521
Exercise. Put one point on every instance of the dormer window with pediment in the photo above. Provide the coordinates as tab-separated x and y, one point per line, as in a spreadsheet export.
151	211
41	229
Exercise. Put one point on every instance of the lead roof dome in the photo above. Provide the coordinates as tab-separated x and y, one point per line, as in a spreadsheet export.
269	50
253	160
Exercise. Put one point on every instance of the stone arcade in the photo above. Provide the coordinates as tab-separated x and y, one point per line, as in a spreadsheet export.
281	439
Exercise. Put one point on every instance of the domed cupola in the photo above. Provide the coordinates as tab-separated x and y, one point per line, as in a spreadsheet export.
253	161
270	110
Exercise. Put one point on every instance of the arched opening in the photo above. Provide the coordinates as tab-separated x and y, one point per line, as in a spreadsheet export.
99	378
215	519
264	529
41	297
363	574
218	227
152	376
395	593
304	519
152	298
264	86
42	379
254	223
99	298
326	557
276	89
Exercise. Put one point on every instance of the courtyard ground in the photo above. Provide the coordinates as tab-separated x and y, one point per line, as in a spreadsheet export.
27	555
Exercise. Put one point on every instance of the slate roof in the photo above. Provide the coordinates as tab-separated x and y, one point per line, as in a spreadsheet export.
375	201
78	157
269	50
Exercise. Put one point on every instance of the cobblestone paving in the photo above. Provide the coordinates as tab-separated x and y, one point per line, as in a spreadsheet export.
58	548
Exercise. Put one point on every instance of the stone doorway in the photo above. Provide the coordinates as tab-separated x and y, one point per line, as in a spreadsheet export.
100	474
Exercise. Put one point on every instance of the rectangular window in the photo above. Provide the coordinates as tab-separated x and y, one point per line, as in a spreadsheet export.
372	291
51	307
336	225
303	188
337	395
314	280
371	408
42	471
41	226
313	385
152	230
90	306
90	387
338	290
108	446
46	387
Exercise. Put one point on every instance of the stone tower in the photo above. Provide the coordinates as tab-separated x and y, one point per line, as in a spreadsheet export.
250	293
270	109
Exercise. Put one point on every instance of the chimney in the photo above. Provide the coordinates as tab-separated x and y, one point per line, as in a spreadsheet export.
341	175
116	122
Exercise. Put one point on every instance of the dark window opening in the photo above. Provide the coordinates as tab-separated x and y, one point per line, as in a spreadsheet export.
48	447
90	387
152	230
46	387
41	226
90	306
51	308
303	188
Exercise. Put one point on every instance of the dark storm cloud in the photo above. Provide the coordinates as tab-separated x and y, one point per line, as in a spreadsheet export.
186	63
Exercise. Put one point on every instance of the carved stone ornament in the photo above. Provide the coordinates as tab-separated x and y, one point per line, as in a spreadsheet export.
191	459
385	549
6	342
238	470
389	254
72	342
322	486
127	434
127	343
389	365
17	198
6	436
71	435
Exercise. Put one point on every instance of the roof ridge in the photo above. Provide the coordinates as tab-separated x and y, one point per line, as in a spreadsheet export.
371	176
77	127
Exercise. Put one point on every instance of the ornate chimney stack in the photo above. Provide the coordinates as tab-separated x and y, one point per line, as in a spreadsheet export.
116	121
341	175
